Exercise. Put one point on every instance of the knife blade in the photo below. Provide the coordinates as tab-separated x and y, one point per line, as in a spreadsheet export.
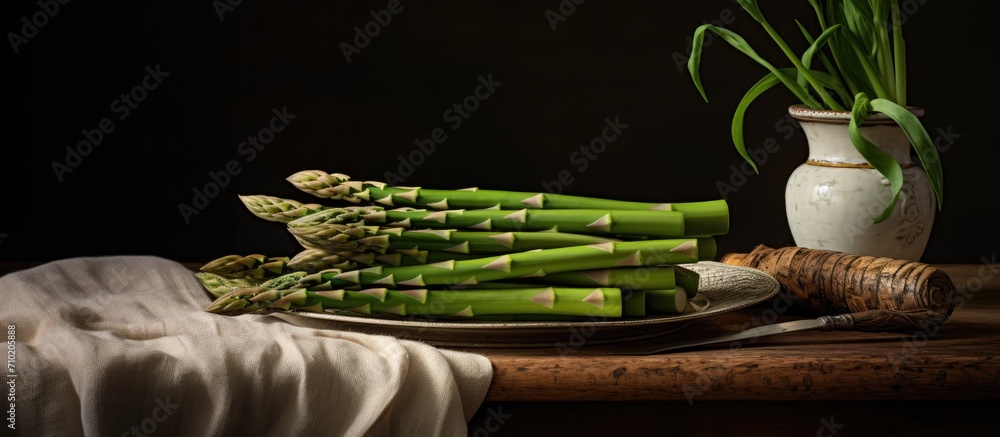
870	321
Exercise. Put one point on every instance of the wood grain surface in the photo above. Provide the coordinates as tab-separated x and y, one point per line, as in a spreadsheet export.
956	361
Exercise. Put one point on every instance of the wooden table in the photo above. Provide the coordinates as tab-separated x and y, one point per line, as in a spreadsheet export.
935	382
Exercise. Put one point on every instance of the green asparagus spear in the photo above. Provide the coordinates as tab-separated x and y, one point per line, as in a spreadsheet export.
314	260
634	278
338	186
276	209
252	266
687	279
629	278
515	265
702	218
558	301
218	285
445	240
669	301
335	237
708	249
634	303
653	224
401	257
705	218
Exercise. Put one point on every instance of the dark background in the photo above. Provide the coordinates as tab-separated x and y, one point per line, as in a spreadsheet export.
607	59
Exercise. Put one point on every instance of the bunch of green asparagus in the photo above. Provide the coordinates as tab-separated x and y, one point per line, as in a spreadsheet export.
375	249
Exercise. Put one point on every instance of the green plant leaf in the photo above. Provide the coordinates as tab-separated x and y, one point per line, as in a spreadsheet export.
859	22
824	96
819	13
844	55
871	74
883	49
882	161
694	61
735	40
767	82
899	53
752	8
829	80
831	66
920	139
816	47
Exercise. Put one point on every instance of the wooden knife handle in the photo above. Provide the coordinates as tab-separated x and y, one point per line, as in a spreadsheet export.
882	321
833	283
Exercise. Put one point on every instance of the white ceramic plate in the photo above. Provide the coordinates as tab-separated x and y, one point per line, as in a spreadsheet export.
723	288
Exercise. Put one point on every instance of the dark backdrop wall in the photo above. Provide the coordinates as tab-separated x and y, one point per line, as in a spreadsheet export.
199	78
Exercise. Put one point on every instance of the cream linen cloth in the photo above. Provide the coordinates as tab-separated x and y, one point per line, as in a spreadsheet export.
120	346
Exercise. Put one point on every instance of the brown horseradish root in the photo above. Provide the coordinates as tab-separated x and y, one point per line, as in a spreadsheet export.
830	282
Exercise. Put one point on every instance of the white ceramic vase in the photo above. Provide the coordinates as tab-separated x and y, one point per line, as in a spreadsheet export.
831	201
